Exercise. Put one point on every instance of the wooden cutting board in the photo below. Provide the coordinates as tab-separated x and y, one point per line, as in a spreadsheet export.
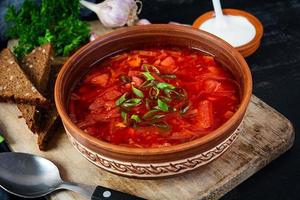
265	135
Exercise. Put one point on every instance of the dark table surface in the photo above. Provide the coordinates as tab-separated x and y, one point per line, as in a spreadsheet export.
276	75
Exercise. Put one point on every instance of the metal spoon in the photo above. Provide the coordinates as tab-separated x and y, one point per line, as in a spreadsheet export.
31	176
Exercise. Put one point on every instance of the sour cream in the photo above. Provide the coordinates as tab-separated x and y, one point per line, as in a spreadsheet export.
236	30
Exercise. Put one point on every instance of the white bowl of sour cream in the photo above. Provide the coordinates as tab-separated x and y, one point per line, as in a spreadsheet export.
240	29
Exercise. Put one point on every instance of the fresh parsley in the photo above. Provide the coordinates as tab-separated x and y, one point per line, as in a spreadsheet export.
53	21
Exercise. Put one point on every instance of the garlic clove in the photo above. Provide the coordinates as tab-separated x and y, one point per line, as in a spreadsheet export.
143	22
93	36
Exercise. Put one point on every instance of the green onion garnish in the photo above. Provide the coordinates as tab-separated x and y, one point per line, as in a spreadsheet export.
121	99
185	108
162	105
135	118
149	114
125	78
156	102
124	117
171	76
137	92
131	103
153	92
168	92
165	99
156	118
164	86
146	68
148	103
148	76
147	84
162	125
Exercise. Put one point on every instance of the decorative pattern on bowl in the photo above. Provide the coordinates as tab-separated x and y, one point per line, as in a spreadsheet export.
152	170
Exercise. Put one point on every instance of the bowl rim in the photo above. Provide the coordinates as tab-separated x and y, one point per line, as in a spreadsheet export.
71	127
243	49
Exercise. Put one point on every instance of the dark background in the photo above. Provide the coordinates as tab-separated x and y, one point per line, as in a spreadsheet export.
275	68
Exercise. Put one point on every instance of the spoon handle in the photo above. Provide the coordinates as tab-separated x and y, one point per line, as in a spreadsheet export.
101	193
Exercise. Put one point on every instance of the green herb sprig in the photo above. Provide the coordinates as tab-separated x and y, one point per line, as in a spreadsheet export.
55	22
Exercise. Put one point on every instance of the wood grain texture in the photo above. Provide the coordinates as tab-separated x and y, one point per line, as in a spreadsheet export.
265	135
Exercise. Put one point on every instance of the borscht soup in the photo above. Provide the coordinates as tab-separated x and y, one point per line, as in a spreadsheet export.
154	97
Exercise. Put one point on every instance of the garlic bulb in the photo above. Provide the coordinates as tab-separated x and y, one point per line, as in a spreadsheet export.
115	13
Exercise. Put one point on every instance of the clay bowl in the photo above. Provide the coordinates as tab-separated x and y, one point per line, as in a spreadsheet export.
246	49
152	162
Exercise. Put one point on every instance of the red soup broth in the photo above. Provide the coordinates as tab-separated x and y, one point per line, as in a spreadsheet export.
154	97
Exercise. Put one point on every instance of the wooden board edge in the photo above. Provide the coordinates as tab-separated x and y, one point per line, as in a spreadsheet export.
244	174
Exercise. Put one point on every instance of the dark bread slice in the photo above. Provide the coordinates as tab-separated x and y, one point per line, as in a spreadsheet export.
47	121
37	66
32	116
51	124
14	84
51	118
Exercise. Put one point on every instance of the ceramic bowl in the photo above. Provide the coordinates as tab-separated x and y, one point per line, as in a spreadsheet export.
248	48
152	162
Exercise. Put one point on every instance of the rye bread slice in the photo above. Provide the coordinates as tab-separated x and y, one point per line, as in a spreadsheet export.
14	84
51	124
37	66
51	119
45	121
32	115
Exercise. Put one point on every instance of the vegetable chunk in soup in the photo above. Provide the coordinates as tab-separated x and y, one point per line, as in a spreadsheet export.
154	97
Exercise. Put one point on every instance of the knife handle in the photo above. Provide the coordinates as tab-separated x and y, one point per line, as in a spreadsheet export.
103	193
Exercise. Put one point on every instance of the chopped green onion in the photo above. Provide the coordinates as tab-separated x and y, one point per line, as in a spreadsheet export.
162	125
131	103
155	69
162	105
148	103
125	79
145	67
148	76
165	99
153	92
185	108
178	94
137	92
157	117
124	116
163	86
148	84
121	99
168	92
149	114
171	76
135	118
